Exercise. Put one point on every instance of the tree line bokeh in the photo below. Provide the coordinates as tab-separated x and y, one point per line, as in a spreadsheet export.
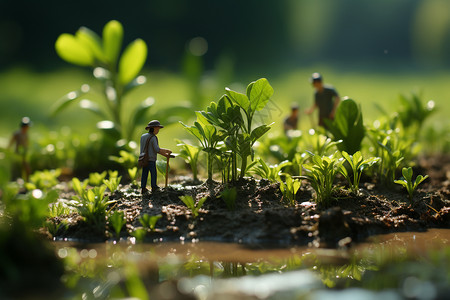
253	34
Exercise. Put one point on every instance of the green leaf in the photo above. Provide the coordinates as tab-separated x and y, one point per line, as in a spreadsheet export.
238	98
112	41
132	61
73	50
92	41
64	101
259	93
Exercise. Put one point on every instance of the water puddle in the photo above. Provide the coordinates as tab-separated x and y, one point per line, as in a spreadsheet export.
393	266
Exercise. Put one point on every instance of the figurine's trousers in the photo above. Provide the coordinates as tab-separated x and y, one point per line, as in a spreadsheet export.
151	167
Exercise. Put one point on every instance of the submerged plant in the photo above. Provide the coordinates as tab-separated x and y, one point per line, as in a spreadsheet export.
190	203
321	173
408	183
357	165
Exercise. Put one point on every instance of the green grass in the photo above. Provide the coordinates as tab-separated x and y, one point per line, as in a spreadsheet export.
26	92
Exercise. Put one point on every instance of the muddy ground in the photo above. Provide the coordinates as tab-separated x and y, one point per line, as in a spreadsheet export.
261	215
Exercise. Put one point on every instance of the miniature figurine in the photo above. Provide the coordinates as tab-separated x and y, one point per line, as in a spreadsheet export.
20	141
326	99
290	122
153	128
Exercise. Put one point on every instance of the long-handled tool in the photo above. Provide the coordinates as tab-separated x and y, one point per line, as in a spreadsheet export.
167	168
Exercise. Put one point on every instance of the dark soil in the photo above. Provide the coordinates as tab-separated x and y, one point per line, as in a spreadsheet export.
262	216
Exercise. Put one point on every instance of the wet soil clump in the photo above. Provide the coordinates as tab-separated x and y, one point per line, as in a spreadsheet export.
262	216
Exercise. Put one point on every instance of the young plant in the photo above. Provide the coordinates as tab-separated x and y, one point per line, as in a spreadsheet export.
58	209
117	73
321	174
43	180
190	154
96	179
112	183
208	136
270	172
190	203
347	126
290	189
357	165
78	186
55	228
92	205
149	222
318	143
229	197
132	172
117	220
408	183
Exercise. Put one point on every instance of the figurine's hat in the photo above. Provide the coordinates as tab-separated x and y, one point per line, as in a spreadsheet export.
154	123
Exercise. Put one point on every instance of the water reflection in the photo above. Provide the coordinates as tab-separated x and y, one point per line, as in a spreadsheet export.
396	266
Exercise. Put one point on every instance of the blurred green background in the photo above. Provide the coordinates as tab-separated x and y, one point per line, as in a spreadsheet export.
371	51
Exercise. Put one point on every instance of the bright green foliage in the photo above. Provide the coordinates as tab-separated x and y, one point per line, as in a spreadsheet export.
43	180
117	220
132	172
270	172
58	209
139	234
357	165
113	183
321	174
408	183
412	113
318	143
208	136
190	154
78	186
92	205
126	159
348	126
229	197
55	228
190	203
96	179
117	73
290	189
31	209
149	222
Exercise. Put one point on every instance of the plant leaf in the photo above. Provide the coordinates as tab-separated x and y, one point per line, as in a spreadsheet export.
259	93
112	41
92	41
132	61
73	50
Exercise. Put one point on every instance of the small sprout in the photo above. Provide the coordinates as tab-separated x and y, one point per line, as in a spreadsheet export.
408	183
96	179
190	203
290	189
113	183
149	222
229	197
117	221
357	164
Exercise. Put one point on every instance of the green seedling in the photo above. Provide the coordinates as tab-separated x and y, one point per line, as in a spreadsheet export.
43	180
113	183
79	187
408	183
290	189
347	126
190	154
55	228
229	197
113	174
357	165
117	73
92	205
58	209
321	174
190	203
149	222
139	234
126	159
117	220
270	172
96	179
318	143
132	172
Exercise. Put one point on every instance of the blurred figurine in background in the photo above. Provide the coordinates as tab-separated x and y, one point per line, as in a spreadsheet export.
21	142
290	122
153	149
326	99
